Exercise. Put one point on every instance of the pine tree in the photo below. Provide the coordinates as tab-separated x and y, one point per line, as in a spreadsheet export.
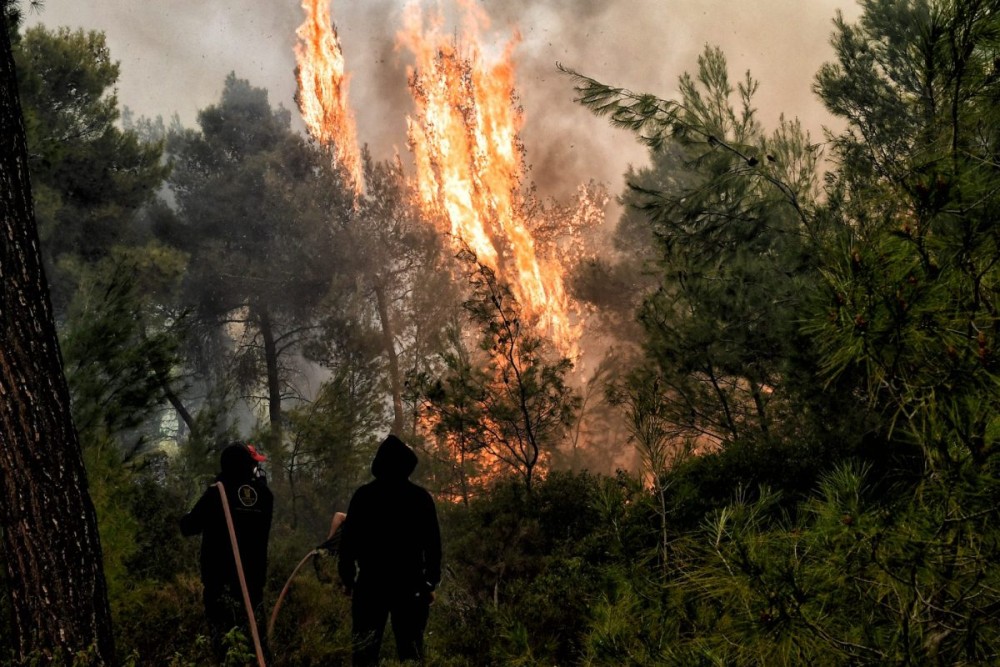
913	276
257	213
730	211
52	551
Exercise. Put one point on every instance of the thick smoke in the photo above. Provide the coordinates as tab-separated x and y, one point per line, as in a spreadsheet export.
175	56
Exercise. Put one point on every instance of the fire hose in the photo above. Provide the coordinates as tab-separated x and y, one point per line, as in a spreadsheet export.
338	519
284	591
239	570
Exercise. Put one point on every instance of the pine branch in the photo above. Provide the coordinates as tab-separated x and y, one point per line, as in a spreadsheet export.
653	119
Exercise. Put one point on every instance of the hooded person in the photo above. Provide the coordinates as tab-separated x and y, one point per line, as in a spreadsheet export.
390	556
250	505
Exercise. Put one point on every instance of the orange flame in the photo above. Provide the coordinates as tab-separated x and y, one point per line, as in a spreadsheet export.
464	137
465	140
472	467
322	89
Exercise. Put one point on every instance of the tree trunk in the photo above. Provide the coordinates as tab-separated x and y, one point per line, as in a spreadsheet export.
182	411
58	597
389	344
721	395
758	401
273	377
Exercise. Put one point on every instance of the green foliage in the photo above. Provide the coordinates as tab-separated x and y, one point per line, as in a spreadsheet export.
256	207
912	278
109	486
901	569
523	570
89	178
118	353
627	629
879	300
701	484
313	627
861	577
729	210
331	443
162	622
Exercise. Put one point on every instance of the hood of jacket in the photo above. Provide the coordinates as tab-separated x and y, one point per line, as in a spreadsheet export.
237	464
394	460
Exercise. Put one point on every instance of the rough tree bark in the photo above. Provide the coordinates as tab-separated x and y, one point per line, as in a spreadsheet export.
58	596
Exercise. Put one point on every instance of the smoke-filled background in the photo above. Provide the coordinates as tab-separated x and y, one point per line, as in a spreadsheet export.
175	56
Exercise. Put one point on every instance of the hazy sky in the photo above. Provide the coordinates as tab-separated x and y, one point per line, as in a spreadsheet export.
175	55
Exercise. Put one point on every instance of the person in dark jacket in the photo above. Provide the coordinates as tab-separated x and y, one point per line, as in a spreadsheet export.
250	505
390	556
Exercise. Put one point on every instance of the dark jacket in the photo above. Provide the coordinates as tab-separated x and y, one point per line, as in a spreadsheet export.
251	505
391	537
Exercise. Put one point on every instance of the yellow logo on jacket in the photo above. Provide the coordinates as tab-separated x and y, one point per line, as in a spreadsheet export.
247	495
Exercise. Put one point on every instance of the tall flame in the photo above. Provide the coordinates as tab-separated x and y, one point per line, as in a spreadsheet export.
464	135
322	89
464	138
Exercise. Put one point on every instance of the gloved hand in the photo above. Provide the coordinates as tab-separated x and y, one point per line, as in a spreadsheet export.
320	566
327	548
429	592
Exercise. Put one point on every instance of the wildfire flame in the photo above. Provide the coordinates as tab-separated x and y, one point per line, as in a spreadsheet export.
464	135
322	89
464	138
473	462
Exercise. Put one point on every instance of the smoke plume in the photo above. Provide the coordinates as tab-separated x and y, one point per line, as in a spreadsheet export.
175	57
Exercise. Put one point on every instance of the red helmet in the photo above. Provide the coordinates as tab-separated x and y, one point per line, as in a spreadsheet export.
254	454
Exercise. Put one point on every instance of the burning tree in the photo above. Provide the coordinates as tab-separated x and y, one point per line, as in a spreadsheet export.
469	187
470	166
513	407
392	259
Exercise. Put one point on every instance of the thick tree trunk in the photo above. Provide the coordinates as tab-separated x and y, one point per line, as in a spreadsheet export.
58	595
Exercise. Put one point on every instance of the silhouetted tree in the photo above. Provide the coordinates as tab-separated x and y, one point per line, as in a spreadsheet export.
258	207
